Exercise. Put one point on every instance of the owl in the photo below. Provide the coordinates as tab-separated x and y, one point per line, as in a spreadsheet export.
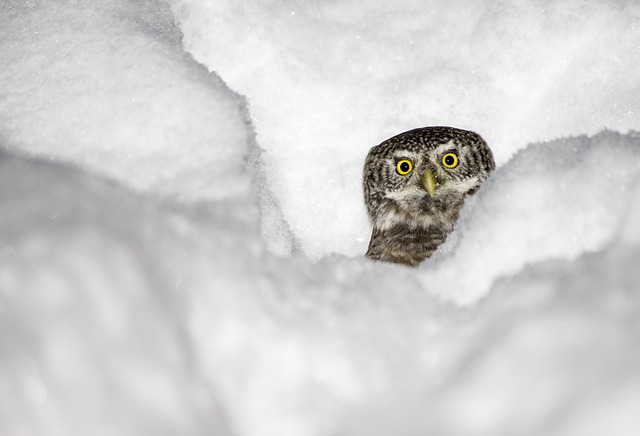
414	186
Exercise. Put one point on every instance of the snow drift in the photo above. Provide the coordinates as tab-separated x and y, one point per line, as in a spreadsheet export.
145	286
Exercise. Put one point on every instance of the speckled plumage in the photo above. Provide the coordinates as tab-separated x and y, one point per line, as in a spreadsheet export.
409	223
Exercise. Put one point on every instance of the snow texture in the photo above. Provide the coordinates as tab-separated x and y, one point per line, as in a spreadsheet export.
180	249
106	85
328	80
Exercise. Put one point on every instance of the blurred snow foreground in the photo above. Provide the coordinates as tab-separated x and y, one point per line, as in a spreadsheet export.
140	290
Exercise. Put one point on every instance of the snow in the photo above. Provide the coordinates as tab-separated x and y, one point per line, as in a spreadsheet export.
108	87
332	79
173	259
557	200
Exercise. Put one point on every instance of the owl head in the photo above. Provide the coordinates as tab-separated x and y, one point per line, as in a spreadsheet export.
415	184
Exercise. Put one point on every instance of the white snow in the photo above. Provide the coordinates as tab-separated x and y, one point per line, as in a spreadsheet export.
176	258
554	201
328	80
107	86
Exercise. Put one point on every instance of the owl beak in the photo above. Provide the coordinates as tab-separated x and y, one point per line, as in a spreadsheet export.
429	182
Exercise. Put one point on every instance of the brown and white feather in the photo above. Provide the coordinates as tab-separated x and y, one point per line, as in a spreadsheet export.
408	223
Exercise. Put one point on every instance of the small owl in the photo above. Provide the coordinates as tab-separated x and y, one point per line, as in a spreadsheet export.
414	186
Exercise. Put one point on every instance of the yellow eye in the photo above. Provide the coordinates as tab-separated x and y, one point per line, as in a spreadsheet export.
450	160
404	167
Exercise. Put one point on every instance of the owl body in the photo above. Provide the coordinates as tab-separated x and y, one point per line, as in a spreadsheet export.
414	186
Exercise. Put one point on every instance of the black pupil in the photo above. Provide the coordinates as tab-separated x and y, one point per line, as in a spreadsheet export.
404	167
449	160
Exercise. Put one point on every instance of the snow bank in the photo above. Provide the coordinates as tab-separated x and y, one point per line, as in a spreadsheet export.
107	86
123	314
154	304
349	346
328	80
552	201
90	325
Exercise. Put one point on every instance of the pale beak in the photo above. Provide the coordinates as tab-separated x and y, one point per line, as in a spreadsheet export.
429	182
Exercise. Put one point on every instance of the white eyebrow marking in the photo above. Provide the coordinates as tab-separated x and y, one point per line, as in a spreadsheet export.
445	147
405	153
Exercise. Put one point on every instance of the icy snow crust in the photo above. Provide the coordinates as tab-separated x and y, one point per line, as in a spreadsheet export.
139	289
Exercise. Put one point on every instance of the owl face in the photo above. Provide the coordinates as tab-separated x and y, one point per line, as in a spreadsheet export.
419	179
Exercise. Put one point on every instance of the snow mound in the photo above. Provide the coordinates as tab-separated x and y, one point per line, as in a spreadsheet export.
124	314
552	201
108	87
139	294
328	80
92	335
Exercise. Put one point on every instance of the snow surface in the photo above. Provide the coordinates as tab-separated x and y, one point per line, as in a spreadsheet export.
106	85
331	79
173	259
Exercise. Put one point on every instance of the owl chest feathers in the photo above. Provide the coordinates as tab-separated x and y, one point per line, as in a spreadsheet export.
402	244
400	238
